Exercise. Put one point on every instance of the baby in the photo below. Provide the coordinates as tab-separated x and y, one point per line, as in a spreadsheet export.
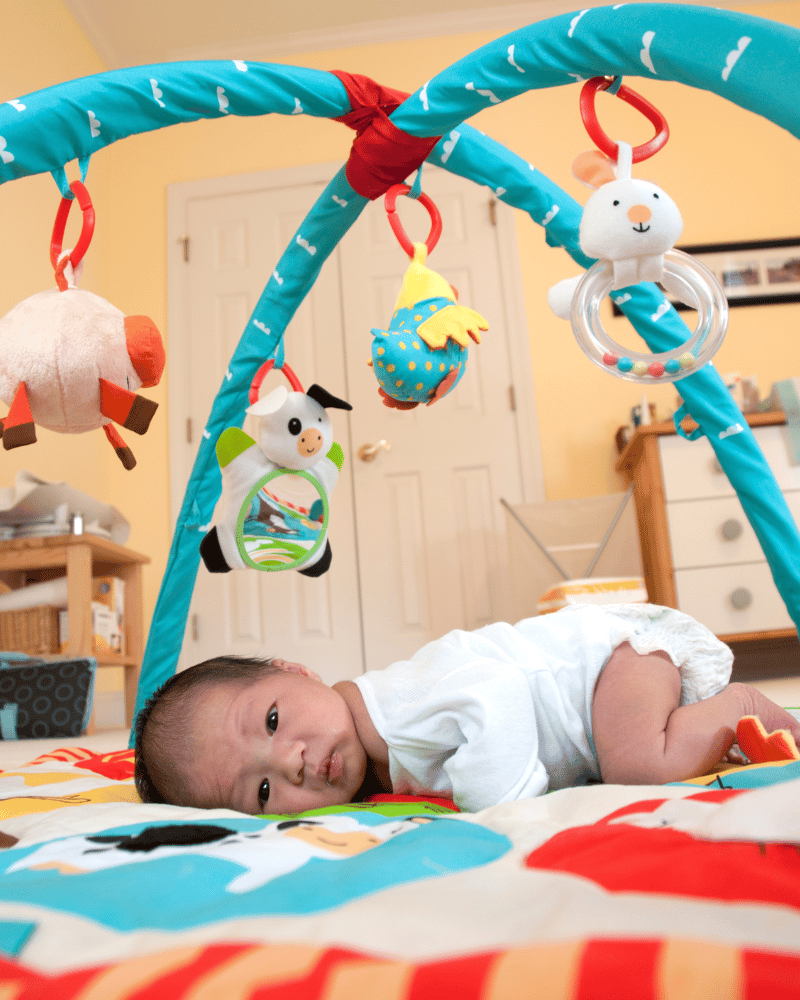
625	694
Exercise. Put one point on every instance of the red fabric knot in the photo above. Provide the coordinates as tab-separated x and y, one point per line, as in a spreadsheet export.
381	154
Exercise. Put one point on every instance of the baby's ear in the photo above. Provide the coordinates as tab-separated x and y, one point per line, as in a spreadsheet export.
295	668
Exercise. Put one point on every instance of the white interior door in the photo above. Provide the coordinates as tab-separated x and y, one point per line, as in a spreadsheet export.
431	530
418	535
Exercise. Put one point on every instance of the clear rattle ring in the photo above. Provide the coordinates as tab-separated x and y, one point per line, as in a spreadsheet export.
692	282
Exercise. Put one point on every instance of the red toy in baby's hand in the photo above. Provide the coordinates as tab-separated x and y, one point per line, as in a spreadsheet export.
761	747
72	362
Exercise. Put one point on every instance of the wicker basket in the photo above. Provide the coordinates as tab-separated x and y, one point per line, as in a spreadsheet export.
33	631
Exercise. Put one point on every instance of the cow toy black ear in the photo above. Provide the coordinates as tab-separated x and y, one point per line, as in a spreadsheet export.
326	399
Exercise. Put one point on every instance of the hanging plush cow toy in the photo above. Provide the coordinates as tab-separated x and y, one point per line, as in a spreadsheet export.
262	527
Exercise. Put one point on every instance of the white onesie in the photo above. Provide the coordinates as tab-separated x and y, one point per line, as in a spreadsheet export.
505	712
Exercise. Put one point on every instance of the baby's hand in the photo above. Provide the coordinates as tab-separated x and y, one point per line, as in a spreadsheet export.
735	756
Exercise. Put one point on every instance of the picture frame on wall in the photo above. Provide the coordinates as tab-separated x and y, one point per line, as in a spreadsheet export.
752	272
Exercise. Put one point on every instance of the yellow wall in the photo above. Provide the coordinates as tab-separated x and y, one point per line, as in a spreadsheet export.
733	174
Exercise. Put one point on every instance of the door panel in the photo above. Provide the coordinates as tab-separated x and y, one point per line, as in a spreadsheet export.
430	525
235	242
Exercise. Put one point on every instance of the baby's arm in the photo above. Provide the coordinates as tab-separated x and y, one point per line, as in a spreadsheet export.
644	736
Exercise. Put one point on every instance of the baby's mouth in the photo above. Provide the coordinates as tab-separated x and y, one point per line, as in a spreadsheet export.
331	768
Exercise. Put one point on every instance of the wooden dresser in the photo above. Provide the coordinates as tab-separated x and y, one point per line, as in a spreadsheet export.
699	551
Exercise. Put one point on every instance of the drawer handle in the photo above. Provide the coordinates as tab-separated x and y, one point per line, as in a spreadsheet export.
741	598
731	529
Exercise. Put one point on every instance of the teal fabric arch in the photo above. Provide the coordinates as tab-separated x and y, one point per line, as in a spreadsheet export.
748	60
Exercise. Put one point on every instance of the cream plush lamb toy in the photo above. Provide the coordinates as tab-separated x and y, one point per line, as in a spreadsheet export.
628	222
294	433
72	362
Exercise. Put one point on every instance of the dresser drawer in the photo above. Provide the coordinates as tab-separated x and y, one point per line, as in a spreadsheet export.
716	532
691	470
711	594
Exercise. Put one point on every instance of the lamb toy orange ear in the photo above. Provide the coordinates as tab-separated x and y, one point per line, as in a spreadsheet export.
72	362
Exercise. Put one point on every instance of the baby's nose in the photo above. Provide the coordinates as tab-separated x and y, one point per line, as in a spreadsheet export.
639	213
294	762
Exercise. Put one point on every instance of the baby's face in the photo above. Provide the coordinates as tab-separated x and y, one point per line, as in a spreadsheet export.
282	744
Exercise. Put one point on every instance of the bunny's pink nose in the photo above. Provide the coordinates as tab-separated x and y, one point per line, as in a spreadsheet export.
639	213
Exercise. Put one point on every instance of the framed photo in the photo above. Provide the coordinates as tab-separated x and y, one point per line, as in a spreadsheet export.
752	273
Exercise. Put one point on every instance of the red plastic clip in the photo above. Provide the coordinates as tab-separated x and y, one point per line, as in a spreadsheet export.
598	136
87	229
397	226
258	378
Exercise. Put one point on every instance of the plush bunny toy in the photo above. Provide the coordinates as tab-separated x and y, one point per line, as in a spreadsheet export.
628	222
294	433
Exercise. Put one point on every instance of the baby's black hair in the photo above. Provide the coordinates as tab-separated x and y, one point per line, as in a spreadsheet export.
162	732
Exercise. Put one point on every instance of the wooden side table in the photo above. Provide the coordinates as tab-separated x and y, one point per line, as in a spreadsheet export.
81	557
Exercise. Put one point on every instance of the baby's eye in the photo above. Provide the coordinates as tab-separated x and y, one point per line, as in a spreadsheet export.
272	719
263	791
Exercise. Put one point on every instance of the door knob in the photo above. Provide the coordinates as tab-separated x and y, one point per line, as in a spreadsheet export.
368	452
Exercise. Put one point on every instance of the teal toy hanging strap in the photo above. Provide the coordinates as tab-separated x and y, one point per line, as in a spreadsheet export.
60	177
678	417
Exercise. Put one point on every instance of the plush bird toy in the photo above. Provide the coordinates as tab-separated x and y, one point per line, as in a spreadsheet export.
423	352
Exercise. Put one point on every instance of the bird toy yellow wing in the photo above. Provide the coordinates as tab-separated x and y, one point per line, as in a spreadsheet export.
422	353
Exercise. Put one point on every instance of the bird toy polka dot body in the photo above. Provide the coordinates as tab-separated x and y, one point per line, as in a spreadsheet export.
422	354
631	226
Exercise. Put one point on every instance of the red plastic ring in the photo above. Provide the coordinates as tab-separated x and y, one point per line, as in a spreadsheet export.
87	229
598	136
397	226
258	378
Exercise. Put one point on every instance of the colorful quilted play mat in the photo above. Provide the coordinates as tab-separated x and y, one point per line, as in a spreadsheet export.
679	892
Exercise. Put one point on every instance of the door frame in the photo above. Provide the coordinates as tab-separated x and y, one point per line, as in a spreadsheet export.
179	341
